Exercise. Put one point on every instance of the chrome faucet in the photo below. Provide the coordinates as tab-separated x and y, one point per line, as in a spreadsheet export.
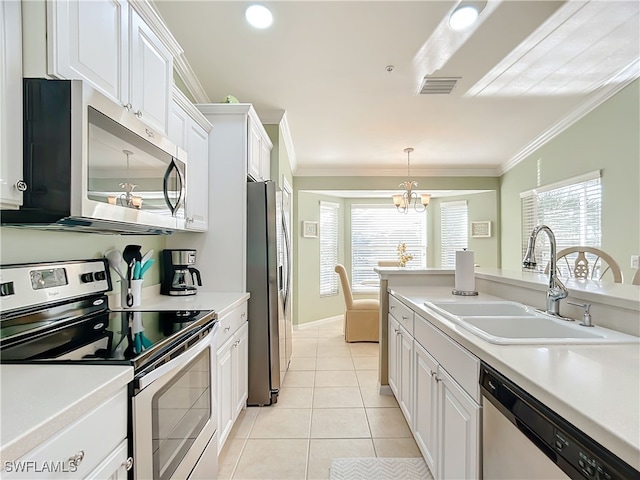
557	291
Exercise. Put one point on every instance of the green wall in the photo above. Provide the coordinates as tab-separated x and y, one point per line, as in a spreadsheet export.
308	305
607	139
480	207
23	245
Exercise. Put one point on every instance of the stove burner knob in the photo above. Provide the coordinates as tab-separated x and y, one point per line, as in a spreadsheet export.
86	277
99	276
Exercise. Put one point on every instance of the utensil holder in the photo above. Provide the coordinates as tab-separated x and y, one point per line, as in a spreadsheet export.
136	292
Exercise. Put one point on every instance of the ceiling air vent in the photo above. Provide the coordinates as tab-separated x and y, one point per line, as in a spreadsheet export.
438	85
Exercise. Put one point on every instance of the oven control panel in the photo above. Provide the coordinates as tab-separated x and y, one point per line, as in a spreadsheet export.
28	285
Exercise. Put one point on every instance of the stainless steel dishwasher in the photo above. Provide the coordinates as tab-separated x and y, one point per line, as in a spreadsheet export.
524	439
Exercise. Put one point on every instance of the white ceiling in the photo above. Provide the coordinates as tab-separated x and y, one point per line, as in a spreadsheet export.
527	70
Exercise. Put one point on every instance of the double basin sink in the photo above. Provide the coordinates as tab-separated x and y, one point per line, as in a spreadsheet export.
504	322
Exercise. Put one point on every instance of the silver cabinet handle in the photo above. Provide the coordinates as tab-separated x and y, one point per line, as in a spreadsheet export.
405	318
391	307
76	459
243	315
128	107
226	329
128	464
138	114
21	186
150	133
190	220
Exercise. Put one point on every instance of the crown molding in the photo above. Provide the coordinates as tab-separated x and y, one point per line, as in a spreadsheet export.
279	117
181	99
619	82
152	17
188	76
364	171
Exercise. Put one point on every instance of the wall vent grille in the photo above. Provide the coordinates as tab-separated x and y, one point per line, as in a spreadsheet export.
438	85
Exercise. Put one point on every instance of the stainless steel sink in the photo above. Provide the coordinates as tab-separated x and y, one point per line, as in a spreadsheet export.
508	323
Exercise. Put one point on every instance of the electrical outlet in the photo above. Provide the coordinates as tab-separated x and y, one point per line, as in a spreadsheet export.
635	261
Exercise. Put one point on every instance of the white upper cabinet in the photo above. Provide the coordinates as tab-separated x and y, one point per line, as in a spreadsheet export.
151	70
259	150
91	43
10	106
107	43
189	130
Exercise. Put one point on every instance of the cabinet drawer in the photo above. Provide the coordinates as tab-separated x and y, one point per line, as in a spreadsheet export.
455	359
93	436
231	322
402	313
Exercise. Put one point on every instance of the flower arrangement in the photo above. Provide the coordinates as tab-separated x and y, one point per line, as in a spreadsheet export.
403	256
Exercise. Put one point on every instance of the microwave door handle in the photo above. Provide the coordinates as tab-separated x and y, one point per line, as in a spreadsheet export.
165	187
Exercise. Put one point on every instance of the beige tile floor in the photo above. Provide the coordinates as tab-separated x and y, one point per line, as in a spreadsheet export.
328	407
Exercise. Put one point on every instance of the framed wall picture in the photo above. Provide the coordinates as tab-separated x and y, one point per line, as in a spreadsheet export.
481	229
310	229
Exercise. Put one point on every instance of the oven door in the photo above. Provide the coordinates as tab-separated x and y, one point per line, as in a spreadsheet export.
174	416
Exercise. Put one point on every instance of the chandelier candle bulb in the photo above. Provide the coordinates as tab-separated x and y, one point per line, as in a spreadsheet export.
465	279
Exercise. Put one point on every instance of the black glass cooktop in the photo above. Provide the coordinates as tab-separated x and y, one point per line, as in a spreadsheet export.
81	333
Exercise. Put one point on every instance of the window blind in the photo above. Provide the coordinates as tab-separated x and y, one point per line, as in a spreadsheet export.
454	235
328	248
572	209
376	231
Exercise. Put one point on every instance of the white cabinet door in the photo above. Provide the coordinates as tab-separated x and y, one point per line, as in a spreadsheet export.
425	418
405	375
151	70
90	41
265	160
241	359
393	331
459	431
114	467
10	105
197	201
178	126
225	391
254	150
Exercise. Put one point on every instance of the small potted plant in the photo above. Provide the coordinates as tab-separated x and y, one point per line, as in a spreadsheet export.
403	256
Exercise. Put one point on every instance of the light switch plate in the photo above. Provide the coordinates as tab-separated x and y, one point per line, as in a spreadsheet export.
635	261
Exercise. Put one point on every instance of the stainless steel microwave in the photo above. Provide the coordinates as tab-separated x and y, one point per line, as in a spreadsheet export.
91	165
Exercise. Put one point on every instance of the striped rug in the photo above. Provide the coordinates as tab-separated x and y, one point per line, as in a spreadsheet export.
365	468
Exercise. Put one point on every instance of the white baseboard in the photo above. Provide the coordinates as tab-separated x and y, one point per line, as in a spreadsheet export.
315	323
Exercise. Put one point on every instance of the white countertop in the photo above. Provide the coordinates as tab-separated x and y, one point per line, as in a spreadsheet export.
594	387
220	302
37	401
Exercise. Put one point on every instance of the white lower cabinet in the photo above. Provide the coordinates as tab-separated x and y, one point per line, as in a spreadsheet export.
401	367
442	410
459	430
425	419
232	382
94	446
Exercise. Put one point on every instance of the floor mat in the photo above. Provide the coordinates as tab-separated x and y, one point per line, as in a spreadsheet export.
379	469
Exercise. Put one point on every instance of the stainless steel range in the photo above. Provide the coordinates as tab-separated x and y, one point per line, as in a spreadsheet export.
58	312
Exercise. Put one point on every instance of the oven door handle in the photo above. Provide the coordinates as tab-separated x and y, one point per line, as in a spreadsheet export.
145	380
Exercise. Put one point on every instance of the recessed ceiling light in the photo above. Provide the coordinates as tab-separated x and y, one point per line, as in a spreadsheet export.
259	16
462	17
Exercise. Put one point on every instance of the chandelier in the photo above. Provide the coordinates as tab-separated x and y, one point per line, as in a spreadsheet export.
403	200
127	199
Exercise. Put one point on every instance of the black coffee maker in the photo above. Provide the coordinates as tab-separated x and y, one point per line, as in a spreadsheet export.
179	277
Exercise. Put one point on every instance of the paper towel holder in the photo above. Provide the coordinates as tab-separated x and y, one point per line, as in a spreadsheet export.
458	290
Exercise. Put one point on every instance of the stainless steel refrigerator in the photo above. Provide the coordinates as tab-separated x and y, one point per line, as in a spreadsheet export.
267	281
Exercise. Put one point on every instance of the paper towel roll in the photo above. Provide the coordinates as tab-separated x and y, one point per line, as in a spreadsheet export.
465	280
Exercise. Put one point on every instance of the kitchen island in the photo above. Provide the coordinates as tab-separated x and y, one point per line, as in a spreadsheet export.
594	387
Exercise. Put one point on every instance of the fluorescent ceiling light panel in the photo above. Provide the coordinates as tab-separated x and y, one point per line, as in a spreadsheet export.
259	16
578	50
